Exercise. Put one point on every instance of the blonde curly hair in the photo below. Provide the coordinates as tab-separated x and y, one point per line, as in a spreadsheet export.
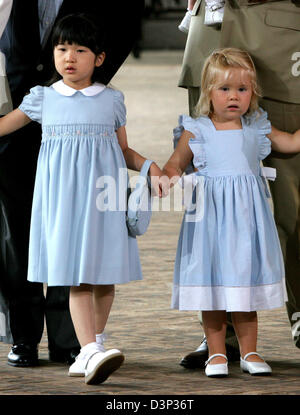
220	61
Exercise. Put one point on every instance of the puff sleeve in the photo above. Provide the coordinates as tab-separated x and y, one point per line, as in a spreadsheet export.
32	104
259	120
119	109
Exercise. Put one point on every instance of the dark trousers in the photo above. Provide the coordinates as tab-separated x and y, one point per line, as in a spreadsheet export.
27	303
29	309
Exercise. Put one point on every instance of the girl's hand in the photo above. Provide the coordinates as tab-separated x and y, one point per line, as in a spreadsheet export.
165	184
155	173
160	182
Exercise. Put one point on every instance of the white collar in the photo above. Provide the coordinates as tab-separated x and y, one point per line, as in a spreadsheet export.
66	90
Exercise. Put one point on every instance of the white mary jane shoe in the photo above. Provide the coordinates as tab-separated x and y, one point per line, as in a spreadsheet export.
255	368
216	371
101	365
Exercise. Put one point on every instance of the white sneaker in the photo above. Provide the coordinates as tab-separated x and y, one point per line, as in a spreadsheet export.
78	367
101	365
185	23
214	13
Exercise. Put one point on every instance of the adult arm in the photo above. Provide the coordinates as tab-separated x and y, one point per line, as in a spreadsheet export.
284	142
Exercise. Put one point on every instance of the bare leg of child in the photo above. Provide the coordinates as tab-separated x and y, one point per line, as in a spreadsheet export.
214	325
245	325
103	299
82	313
90	307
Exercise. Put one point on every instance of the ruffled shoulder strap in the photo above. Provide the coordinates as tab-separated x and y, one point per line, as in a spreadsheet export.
196	143
192	124
259	121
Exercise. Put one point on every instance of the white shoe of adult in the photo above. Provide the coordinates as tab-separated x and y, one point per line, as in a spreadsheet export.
214	13
101	365
255	368
185	22
219	370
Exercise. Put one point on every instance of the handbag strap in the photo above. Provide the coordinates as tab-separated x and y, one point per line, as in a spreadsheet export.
137	192
143	176
145	168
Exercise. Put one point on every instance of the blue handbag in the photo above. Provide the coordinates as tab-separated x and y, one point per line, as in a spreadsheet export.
139	210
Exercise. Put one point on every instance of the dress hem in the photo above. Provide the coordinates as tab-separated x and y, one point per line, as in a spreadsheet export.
231	299
77	284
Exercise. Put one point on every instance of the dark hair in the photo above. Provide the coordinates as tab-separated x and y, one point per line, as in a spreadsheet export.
80	29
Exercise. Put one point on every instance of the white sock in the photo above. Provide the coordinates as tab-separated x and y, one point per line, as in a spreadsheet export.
89	348
100	338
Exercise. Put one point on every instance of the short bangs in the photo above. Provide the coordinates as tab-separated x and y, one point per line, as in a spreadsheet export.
216	70
79	29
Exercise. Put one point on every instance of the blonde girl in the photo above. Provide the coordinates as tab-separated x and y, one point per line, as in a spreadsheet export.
228	256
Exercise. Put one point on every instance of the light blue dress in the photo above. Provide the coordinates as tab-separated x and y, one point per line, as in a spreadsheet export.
228	256
74	237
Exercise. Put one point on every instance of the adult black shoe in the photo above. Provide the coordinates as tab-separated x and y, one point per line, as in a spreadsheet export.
64	355
23	355
197	358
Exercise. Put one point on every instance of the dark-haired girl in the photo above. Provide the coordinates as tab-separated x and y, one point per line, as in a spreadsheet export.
77	240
